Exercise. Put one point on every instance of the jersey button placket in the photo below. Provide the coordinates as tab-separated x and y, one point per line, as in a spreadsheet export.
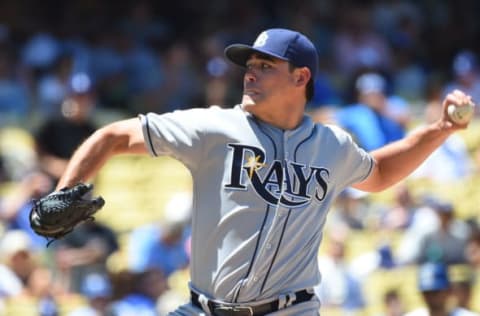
281	211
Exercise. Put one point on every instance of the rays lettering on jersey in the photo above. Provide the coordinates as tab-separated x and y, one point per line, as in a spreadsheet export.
301	181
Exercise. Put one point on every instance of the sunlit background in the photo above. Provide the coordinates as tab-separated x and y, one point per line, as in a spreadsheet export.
69	67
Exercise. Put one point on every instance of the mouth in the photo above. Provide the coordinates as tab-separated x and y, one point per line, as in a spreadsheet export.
250	92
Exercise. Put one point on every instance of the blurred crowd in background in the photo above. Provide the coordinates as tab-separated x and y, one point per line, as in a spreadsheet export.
68	67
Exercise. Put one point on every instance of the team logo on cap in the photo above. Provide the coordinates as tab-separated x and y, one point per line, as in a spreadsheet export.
261	39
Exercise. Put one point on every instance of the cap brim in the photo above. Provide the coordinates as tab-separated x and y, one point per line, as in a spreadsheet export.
435	287
240	53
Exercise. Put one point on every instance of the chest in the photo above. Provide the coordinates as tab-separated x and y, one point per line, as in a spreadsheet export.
281	168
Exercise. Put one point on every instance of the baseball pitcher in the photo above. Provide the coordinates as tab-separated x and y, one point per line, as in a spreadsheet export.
264	177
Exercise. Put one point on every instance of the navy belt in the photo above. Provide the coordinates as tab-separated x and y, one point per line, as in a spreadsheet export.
219	309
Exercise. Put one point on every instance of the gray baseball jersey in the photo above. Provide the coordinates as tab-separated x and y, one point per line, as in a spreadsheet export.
261	196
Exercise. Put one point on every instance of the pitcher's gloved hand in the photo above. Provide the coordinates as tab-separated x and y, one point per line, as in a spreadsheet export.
57	214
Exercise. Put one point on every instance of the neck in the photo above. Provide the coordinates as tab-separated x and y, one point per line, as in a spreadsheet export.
286	118
286	124
439	312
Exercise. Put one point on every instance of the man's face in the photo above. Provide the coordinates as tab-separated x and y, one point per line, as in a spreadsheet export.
436	300
375	100
266	82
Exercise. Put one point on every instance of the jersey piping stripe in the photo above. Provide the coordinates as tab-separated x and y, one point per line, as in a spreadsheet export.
288	216
296	150
303	141
276	251
268	206
269	137
372	162
256	249
150	137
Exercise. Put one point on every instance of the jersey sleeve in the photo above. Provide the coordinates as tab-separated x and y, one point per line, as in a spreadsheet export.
357	164
176	134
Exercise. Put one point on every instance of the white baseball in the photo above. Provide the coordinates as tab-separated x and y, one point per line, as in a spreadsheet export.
460	114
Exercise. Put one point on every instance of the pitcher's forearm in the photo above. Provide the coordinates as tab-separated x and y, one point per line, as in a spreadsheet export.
402	158
397	160
88	159
121	137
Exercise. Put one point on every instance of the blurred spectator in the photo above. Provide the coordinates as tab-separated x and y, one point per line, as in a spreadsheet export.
401	23
373	121
146	288
400	214
41	287
476	160
97	289
53	87
339	287
82	252
409	78
41	50
216	70
163	245
22	276
143	69
14	98
15	207
393	303
434	285
58	137
182	86
3	171
356	45
324	92
17	263
388	18
451	161
17	153
466	76
108	68
462	279
473	248
448	243
350	209
408	249
144	25
377	257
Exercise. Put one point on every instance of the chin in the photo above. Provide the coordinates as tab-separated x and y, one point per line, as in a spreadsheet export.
247	100
251	100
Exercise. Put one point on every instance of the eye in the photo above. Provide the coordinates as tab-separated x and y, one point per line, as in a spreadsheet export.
266	66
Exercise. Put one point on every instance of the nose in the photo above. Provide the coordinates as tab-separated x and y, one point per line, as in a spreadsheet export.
250	76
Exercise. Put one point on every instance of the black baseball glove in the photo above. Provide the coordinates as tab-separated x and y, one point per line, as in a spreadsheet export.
57	214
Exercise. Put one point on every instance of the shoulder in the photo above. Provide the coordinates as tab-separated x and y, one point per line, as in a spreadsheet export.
463	312
149	231
83	311
418	312
334	132
198	115
217	110
212	109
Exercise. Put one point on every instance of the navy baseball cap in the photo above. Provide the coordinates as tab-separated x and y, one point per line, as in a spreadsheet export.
433	276
284	44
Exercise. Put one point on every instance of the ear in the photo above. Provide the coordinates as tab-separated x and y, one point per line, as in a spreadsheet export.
302	76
